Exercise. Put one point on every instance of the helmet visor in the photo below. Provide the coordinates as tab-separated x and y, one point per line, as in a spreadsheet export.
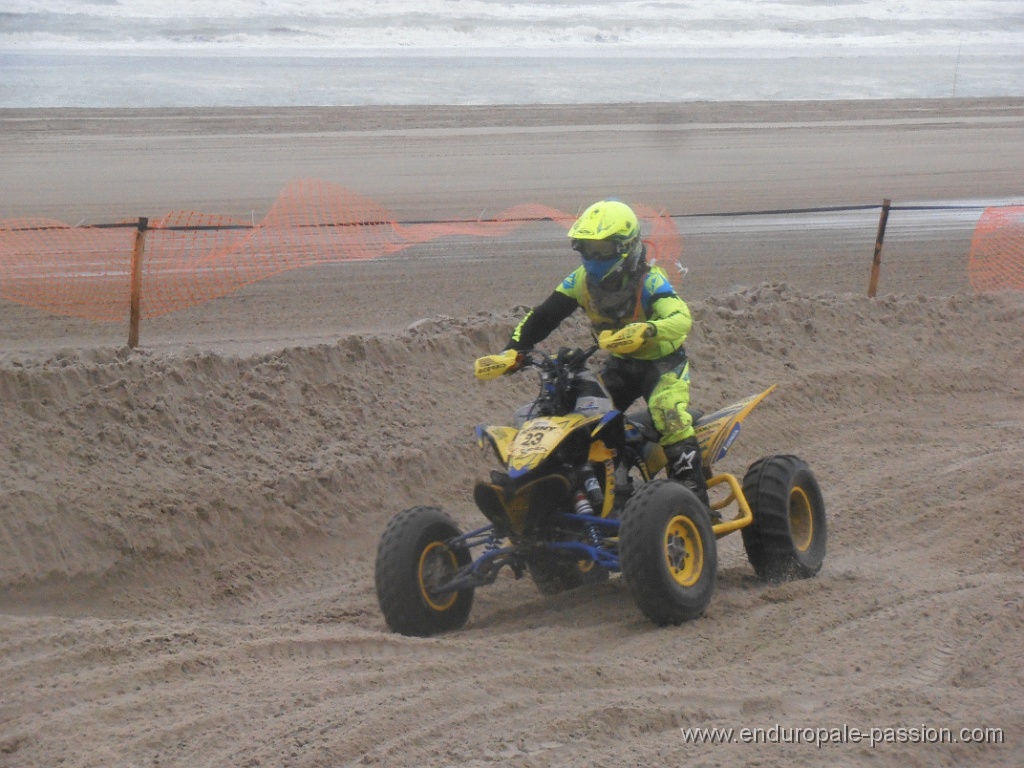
598	250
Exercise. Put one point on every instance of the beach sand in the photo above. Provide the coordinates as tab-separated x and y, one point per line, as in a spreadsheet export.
188	530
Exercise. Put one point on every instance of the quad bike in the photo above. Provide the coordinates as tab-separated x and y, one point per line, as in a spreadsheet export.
579	497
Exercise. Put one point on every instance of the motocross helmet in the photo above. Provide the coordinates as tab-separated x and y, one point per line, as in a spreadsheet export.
607	237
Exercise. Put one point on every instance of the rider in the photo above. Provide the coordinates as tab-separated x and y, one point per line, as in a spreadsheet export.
622	293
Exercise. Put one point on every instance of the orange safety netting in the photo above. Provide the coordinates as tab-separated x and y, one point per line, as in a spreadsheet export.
190	258
78	271
997	250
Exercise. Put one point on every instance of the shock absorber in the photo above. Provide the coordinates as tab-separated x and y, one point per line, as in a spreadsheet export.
582	504
582	507
592	487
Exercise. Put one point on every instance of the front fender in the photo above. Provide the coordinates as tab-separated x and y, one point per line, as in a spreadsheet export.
540	438
499	438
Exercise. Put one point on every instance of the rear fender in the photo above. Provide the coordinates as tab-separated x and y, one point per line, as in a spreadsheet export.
717	432
656	460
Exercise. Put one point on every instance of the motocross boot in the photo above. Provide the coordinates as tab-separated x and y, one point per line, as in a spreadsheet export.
685	465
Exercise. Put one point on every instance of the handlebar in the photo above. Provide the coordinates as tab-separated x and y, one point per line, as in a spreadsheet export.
573	358
492	366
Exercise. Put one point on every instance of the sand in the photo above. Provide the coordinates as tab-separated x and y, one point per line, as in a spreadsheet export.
187	530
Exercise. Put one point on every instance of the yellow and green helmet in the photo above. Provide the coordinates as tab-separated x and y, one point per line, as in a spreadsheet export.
607	237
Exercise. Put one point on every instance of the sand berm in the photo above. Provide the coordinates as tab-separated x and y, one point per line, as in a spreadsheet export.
187	542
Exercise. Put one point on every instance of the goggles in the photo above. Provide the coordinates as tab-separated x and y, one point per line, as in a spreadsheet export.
599	250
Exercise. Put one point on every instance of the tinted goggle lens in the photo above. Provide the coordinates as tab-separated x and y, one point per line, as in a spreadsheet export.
598	250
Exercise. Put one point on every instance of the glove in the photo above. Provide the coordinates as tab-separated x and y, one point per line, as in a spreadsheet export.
493	366
628	339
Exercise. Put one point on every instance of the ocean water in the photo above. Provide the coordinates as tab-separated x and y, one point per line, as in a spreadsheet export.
116	53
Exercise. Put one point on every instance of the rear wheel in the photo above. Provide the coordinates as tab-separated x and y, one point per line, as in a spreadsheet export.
413	562
788	536
668	552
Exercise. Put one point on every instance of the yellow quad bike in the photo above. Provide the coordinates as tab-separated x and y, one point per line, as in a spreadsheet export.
579	496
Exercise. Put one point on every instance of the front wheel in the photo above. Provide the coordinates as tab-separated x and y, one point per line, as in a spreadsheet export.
787	538
668	552
413	562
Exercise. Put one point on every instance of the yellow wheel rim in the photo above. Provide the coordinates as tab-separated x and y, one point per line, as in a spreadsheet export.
437	562
684	551
801	519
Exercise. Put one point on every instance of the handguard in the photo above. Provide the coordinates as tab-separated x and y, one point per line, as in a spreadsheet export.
626	340
492	366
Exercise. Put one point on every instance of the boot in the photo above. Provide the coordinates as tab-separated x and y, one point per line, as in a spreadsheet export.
685	466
